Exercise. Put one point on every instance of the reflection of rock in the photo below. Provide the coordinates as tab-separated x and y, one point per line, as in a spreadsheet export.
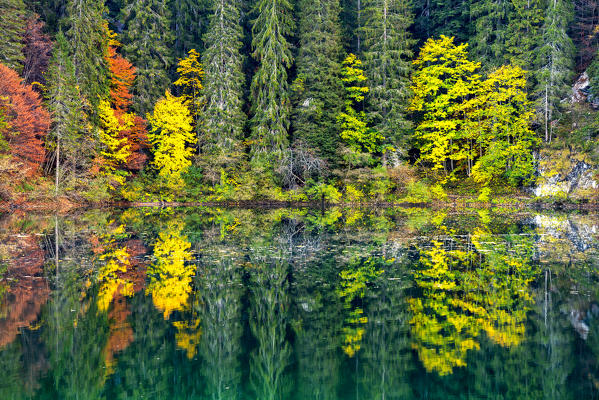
27	290
579	233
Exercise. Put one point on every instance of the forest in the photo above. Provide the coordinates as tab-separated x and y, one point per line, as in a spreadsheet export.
343	100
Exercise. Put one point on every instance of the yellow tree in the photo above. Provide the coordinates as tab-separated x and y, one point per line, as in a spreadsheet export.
443	80
502	115
170	136
191	74
115	148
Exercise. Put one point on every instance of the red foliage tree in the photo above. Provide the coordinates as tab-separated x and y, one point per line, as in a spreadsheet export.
37	50
29	121
122	76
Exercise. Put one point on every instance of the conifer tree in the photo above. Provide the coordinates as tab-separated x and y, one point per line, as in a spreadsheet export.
68	122
489	20
386	53
223	118
13	18
523	35
555	63
147	44
88	39
318	88
189	23
442	17
271	108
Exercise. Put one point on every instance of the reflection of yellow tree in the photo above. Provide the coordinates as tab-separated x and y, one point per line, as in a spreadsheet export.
115	261
170	278
479	285
354	280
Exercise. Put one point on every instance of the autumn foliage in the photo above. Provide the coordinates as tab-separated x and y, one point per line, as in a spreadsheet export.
37	50
122	76
27	119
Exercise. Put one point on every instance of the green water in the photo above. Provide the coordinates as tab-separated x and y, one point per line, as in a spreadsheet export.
298	304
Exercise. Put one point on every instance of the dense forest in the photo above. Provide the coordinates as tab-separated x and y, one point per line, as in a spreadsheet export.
348	100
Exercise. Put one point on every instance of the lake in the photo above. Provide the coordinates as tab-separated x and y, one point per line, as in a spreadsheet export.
207	303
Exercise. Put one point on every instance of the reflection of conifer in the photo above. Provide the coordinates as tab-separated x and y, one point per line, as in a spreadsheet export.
268	322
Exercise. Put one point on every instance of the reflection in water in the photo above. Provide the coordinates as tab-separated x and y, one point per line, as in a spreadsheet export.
269	310
220	305
471	284
170	277
296	304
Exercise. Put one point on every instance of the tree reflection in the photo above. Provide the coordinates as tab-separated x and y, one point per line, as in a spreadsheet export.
269	308
170	277
219	308
472	284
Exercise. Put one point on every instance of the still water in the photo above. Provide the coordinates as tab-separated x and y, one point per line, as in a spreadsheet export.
298	304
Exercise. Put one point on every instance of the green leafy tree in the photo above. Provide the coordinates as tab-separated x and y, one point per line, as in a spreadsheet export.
386	50
354	126
271	107
147	44
13	17
223	118
318	89
87	36
554	64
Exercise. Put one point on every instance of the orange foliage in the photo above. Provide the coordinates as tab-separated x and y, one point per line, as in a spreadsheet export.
122	76
29	121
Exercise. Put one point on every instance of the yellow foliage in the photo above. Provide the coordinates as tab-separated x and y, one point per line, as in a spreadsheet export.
170	136
115	150
170	278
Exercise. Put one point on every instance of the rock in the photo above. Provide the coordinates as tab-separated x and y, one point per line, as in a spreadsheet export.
581	89
564	175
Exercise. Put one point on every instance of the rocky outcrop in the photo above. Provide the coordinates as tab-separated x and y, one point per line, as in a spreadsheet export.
564	175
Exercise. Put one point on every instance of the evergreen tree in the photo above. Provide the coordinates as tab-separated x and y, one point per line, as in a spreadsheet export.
442	17
223	117
318	88
13	19
147	44
88	38
523	35
271	49
489	20
555	63
189	23
70	153
386	53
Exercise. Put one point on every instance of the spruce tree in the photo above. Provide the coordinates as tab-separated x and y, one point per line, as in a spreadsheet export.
87	36
13	19
555	63
523	36
223	118
442	17
70	153
489	20
386	54
318	88
147	44
271	108
189	23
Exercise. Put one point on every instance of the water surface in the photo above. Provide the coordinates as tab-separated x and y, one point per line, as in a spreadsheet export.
208	303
